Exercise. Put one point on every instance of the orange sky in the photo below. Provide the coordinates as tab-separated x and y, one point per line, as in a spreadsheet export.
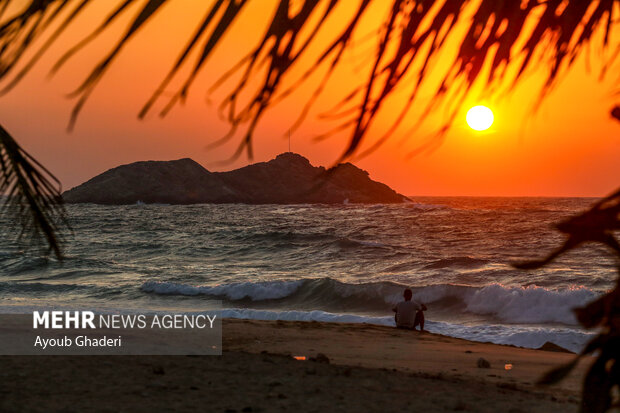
570	147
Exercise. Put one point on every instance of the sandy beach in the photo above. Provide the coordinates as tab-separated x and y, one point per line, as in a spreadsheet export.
229	206
394	370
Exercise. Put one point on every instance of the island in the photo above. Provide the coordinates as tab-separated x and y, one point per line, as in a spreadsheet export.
288	179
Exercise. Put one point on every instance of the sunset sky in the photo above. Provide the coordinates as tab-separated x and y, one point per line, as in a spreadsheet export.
569	147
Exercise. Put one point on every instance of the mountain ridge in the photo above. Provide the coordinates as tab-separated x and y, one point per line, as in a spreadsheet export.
287	179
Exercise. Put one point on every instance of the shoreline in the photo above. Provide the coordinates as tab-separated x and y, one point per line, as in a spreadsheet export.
374	346
257	372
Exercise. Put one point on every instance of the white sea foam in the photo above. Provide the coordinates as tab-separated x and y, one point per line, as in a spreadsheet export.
294	315
572	339
521	336
535	305
529	305
522	305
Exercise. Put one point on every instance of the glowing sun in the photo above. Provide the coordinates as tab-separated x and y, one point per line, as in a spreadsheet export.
479	118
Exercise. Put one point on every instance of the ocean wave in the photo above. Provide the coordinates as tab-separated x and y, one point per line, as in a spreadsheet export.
517	305
38	288
461	262
357	243
527	305
294	315
288	236
572	339
428	207
320	239
268	290
528	337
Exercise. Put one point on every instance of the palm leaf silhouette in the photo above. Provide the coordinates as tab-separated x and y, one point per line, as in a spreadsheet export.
32	194
408	43
599	225
496	34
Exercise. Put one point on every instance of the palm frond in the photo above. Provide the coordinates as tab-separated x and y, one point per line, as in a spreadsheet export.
30	194
599	224
408	43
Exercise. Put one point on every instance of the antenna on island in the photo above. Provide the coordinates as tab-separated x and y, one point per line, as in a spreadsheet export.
289	140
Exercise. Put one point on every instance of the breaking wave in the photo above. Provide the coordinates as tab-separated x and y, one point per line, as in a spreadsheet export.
268	290
517	305
529	337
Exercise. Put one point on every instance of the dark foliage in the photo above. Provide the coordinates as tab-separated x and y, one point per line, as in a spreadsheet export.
31	194
413	33
411	37
595	225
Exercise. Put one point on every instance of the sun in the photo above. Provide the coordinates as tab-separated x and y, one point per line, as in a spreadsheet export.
479	118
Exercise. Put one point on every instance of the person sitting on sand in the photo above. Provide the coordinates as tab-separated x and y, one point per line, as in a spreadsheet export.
409	313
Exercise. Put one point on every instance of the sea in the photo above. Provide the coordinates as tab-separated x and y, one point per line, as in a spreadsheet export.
328	263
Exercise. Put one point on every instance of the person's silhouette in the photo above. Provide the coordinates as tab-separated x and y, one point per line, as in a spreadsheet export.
409	313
